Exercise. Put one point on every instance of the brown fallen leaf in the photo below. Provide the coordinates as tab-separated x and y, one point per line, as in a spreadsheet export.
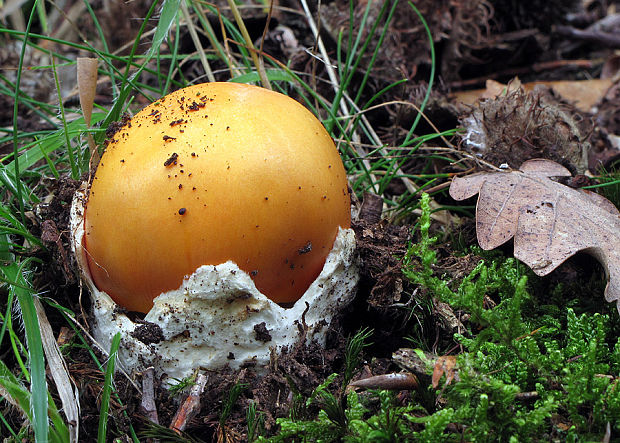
446	364
550	222
583	93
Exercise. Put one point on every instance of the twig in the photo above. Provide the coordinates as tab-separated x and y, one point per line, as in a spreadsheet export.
191	406
608	39
395	382
536	67
148	395
372	206
522	396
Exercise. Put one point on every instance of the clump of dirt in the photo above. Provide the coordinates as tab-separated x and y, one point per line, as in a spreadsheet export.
148	332
52	226
262	333
381	247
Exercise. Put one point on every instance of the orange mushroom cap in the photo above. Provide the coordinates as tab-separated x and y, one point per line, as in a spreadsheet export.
211	173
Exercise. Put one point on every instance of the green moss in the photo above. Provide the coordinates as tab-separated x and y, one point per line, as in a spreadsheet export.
563	361
531	368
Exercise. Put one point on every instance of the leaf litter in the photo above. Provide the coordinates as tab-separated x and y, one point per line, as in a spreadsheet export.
549	221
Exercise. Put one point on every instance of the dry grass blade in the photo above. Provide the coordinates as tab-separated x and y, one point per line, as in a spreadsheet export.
12	10
58	369
196	41
258	63
4	393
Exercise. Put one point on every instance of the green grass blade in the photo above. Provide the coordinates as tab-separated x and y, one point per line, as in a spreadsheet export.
54	141
60	431
8	180
174	56
127	81
74	170
38	383
273	75
20	66
40	6
11	225
210	34
431	77
375	53
15	389
22	397
107	390
18	348
6	424
168	15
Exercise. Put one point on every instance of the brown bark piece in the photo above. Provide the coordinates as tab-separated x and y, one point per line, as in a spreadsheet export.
550	222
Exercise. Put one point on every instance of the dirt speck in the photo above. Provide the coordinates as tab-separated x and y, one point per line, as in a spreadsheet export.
148	333
305	249
172	160
262	333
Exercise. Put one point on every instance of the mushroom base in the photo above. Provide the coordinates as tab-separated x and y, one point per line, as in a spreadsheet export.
217	317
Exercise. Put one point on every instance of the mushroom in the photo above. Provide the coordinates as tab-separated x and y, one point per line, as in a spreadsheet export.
211	173
217	206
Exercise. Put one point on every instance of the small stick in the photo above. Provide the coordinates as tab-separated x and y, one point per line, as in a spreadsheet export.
531	395
536	67
191	406
609	39
396	382
148	395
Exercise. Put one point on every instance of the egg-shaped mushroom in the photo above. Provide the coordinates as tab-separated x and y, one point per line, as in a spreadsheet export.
212	173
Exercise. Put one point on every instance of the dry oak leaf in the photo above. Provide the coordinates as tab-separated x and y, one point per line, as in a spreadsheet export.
445	365
550	222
